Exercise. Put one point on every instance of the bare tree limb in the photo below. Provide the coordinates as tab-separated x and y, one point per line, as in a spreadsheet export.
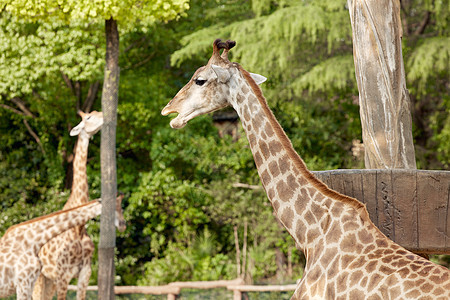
142	62
77	92
34	135
423	24
68	82
404	7
91	96
135	44
16	111
21	104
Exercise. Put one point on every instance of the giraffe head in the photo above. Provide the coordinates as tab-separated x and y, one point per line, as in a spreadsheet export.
119	220
209	88
90	123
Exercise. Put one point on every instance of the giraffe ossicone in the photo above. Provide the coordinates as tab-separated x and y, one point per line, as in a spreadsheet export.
347	256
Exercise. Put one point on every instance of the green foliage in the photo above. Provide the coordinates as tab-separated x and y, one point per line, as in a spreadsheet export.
282	30
441	128
125	12
429	60
200	260
31	51
334	74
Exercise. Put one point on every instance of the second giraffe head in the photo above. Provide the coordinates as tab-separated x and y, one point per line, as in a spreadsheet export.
90	123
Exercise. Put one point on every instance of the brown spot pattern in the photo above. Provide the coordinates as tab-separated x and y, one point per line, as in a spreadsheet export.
275	147
265	177
273	168
334	233
374	281
284	164
284	191
268	129
300	205
312	235
287	217
258	159
264	149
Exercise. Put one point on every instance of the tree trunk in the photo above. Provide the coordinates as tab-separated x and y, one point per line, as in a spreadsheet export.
108	163
384	100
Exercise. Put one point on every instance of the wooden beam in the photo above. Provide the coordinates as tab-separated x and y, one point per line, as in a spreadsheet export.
147	290
206	284
262	288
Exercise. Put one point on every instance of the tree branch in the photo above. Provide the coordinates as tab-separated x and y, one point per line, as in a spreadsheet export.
21	104
142	62
423	24
77	92
34	135
135	44
91	96
68	82
12	109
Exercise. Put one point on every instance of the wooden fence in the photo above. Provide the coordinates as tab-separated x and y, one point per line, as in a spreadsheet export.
173	289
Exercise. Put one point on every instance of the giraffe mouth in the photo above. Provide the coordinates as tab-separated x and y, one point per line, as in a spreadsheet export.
182	119
179	121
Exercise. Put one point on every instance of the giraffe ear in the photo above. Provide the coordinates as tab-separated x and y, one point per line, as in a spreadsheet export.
77	129
258	78
223	75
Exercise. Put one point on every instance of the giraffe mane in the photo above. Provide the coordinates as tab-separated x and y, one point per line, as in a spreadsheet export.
37	219
298	162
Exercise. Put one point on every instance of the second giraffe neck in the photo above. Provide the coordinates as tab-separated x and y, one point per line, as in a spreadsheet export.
40	230
79	193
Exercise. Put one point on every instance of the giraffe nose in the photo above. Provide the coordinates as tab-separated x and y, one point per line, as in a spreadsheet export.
168	110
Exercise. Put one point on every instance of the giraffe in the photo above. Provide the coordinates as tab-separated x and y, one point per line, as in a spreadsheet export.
19	246
69	254
347	256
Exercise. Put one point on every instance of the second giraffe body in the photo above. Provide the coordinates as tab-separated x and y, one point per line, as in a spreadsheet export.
347	257
19	246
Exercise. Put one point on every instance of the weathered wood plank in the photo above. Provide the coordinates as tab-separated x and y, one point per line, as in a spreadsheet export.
369	179
404	186
432	194
411	207
385	205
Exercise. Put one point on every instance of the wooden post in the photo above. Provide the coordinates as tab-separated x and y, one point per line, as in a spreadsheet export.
237	295
384	100
171	296
108	164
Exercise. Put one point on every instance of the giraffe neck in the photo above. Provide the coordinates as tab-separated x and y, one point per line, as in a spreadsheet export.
37	232
301	202
79	193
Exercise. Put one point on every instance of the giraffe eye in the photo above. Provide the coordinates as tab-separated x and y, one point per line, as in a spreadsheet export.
200	81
